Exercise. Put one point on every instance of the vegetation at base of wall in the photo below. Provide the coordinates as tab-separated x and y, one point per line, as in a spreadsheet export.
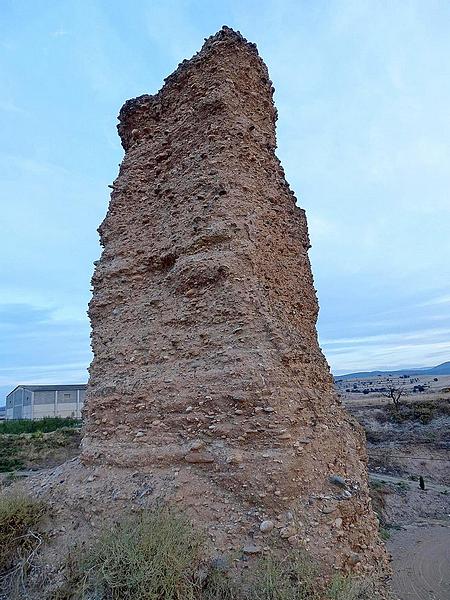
347	588
159	555
156	555
293	578
38	449
20	517
43	425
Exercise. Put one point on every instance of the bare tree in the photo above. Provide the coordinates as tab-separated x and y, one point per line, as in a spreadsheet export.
394	393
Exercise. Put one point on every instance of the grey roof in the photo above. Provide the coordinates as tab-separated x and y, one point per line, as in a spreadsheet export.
50	388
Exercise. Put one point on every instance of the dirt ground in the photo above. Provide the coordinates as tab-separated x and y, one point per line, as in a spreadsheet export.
405	503
421	562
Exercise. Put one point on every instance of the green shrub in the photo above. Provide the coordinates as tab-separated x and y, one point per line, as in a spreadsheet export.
9	455
37	449
424	411
44	425
7	465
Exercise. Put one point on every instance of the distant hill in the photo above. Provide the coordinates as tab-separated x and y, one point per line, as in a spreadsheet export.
442	369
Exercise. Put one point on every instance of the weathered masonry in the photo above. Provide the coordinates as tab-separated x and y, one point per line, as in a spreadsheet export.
207	368
39	401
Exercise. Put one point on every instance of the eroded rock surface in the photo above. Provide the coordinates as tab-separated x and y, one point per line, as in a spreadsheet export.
206	363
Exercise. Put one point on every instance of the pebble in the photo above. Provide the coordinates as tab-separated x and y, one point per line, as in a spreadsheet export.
197	444
353	558
288	532
199	457
338	480
289	517
328	509
251	549
266	526
235	458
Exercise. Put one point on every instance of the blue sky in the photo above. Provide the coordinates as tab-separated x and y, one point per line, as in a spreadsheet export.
363	94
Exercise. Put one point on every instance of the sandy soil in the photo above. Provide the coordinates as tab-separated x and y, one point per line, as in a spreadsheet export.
421	562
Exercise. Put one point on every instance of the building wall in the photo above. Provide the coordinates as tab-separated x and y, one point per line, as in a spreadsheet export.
9	407
27	408
18	404
24	404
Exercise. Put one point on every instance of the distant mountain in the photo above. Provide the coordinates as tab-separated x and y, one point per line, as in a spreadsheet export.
442	369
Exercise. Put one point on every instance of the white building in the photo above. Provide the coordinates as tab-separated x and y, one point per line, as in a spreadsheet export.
39	401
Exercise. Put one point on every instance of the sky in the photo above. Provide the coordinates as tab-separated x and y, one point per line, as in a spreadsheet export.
363	96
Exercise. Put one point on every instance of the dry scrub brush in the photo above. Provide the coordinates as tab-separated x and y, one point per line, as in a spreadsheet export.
153	556
20	539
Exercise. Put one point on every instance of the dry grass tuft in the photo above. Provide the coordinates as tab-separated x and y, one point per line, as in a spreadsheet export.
293	578
347	588
20	539
154	556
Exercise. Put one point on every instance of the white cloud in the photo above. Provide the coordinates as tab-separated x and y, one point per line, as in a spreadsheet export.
439	300
11	107
59	32
390	338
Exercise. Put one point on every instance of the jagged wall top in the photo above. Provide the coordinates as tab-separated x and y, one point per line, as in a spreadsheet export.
132	108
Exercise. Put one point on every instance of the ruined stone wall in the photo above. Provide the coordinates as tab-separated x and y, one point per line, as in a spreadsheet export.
206	358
